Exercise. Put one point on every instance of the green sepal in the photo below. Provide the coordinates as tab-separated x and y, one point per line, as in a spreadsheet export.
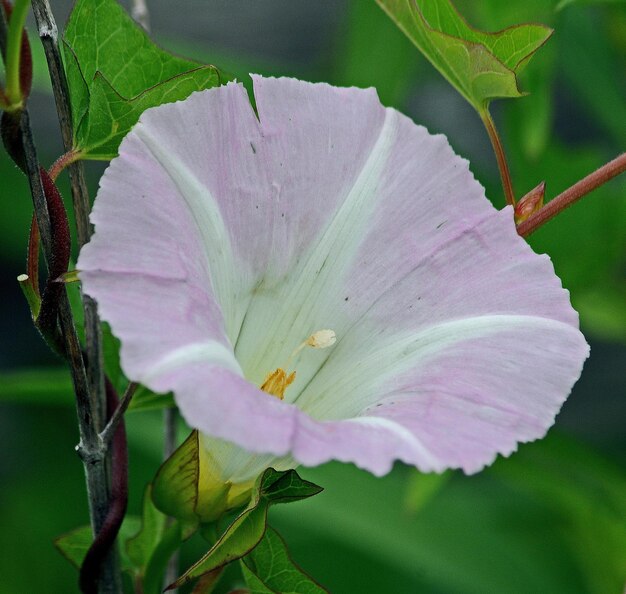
269	569
188	487
115	72
481	66
247	530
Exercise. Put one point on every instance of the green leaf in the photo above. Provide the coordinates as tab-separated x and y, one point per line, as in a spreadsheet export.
249	527
74	544
111	352
481	66
141	546
148	543
145	399
283	486
155	571
268	569
115	72
564	3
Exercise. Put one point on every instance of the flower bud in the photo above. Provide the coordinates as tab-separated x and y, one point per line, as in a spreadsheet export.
530	203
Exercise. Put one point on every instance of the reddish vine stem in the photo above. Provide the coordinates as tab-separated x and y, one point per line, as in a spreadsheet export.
498	149
573	194
108	433
32	259
62	162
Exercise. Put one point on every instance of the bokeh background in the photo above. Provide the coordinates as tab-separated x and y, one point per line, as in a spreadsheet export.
548	520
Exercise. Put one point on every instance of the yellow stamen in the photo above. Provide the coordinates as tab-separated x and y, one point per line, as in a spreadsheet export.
277	381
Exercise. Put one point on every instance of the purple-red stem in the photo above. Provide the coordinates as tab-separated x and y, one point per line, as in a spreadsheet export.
32	259
62	162
576	192
498	149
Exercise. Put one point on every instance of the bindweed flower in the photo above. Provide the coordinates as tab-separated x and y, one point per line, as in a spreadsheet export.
325	281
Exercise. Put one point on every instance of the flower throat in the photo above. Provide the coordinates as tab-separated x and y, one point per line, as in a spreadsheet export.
277	381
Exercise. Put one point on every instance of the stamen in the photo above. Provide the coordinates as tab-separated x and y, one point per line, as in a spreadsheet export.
318	340
276	382
322	339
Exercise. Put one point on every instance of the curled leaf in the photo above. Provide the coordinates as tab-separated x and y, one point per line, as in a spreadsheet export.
481	66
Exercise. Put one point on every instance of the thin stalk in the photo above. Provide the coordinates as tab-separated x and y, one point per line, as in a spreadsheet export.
99	494
13	89
48	33
108	432
32	259
573	194
169	446
62	162
498	149
31	294
90	448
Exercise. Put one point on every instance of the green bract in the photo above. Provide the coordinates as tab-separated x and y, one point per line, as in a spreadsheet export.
247	530
481	66
115	72
268	568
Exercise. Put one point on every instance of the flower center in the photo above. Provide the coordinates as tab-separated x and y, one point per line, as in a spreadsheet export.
276	382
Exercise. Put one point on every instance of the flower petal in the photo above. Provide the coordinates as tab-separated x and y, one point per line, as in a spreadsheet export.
218	234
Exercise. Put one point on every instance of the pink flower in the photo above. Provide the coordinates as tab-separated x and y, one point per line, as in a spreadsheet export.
333	238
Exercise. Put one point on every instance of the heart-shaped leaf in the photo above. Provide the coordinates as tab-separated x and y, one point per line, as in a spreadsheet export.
115	72
268	568
481	66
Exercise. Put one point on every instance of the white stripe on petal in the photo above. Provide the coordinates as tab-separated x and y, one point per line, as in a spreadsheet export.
428	462
362	374
278	323
206	214
211	352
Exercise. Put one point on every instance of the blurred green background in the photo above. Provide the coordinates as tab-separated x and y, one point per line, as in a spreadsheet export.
551	519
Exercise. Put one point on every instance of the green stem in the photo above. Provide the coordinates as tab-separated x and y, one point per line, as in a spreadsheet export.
498	149
31	294
14	49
